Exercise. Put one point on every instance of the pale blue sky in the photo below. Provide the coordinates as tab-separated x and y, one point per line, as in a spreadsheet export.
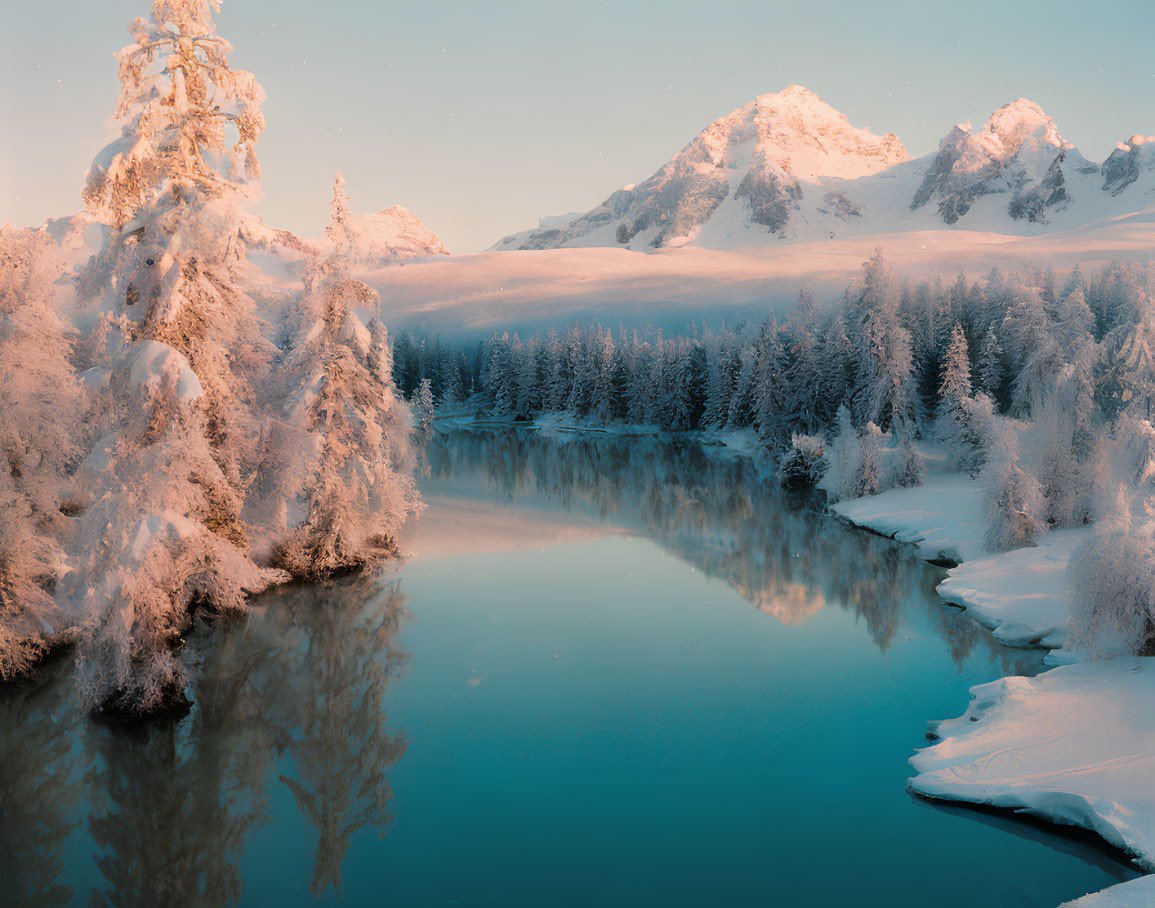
483	116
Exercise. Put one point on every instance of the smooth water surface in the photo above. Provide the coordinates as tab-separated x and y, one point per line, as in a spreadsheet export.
614	673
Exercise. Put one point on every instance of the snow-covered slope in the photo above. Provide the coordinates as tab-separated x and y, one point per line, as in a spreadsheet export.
755	161
788	167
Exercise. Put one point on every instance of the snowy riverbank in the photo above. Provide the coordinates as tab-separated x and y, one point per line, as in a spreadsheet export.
1018	595
1074	746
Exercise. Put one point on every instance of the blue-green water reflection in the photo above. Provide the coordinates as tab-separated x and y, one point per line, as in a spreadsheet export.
616	672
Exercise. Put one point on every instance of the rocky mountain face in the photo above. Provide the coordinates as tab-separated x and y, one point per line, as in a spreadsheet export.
1019	152
787	166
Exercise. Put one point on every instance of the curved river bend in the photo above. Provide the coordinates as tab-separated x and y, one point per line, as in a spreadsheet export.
616	673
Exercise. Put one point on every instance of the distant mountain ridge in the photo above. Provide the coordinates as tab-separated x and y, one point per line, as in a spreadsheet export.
789	167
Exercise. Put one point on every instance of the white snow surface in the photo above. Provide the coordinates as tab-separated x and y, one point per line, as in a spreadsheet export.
944	517
151	360
1075	745
1138	893
1018	595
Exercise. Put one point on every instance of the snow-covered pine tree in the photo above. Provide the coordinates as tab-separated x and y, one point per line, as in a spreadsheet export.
741	412
40	400
425	406
909	469
721	373
990	366
1014	501
170	191
804	393
964	446
160	537
885	373
769	385
1128	374
622	379
342	229
1110	595
581	371
870	461
338	375
602	374
843	456
837	368
1029	346
1063	475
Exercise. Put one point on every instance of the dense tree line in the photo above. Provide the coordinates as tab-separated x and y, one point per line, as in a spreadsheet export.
1039	385
901	354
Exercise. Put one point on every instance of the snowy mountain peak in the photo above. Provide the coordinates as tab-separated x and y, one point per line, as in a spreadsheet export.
1131	161
788	166
809	139
1018	151
756	160
1015	123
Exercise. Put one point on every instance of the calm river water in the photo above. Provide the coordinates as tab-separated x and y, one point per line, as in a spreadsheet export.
615	672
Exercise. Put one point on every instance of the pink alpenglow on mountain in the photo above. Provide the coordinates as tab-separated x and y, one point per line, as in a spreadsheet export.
749	166
393	236
787	167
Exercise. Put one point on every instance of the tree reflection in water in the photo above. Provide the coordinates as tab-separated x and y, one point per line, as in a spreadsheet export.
727	517
326	698
40	783
294	695
302	681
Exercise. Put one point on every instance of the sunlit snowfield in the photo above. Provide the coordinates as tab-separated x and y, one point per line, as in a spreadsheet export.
616	672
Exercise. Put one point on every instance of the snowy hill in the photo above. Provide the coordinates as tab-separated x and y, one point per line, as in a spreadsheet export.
788	167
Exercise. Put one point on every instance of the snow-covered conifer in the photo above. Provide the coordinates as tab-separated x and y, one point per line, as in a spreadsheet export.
1110	593
425	406
886	365
954	429
909	468
1014	501
192	355
40	431
870	461
842	456
359	488
990	365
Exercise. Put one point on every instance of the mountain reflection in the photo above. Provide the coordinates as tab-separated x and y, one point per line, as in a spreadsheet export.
723	514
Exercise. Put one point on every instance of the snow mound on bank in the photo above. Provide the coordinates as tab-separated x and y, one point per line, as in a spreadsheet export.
1075	746
1018	595
1138	893
944	517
